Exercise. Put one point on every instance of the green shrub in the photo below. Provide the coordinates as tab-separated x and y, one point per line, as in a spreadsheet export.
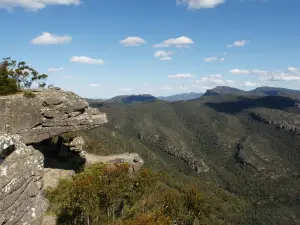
7	85
29	94
104	194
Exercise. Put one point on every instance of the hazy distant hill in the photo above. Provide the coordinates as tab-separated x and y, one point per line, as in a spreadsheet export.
260	91
181	97
273	91
131	99
92	100
224	90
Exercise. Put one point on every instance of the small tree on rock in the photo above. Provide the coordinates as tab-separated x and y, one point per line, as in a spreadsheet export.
22	74
7	84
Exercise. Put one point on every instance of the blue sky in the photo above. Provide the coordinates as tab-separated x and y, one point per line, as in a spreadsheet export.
103	48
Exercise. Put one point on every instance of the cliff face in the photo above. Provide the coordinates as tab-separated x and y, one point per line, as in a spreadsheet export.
50	113
21	172
27	121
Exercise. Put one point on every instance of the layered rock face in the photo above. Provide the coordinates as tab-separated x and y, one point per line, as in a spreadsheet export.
21	172
28	121
50	113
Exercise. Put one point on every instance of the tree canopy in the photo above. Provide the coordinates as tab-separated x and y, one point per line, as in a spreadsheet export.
15	76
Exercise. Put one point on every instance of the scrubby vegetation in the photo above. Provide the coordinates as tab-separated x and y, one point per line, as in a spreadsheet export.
7	84
104	194
248	183
29	94
16	76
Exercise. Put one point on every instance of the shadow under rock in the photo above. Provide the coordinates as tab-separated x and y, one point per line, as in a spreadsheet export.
51	151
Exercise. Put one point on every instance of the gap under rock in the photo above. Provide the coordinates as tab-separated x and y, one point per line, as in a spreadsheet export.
59	161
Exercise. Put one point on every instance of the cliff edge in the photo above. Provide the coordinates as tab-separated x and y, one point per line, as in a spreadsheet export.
27	121
51	112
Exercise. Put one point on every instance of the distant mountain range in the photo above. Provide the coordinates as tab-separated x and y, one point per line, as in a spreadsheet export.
181	97
260	91
219	90
127	99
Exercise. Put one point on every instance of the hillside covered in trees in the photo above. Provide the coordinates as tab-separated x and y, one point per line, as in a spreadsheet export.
241	151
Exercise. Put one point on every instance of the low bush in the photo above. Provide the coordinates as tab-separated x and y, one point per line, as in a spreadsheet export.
29	94
110	195
8	87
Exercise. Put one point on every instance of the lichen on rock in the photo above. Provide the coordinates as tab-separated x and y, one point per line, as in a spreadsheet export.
52	112
28	121
21	172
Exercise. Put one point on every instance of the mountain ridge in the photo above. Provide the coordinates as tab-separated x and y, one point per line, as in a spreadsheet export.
259	91
181	97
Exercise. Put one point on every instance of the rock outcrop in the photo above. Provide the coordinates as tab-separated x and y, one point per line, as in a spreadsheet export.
282	120
29	121
51	112
76	144
132	159
21	172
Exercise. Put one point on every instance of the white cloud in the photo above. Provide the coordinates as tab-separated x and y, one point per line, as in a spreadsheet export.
215	76
55	70
260	72
240	43
211	59
293	70
166	58
166	88
199	4
211	81
133	41
35	4
94	85
281	77
125	89
238	71
250	84
163	55
87	60
291	74
180	42
181	76
51	39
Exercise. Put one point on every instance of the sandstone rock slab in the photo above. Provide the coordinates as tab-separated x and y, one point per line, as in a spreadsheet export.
21	172
52	112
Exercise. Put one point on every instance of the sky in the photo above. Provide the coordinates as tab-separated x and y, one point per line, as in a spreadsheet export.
104	48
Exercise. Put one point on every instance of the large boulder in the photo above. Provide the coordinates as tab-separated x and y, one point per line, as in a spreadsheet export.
21	172
52	112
